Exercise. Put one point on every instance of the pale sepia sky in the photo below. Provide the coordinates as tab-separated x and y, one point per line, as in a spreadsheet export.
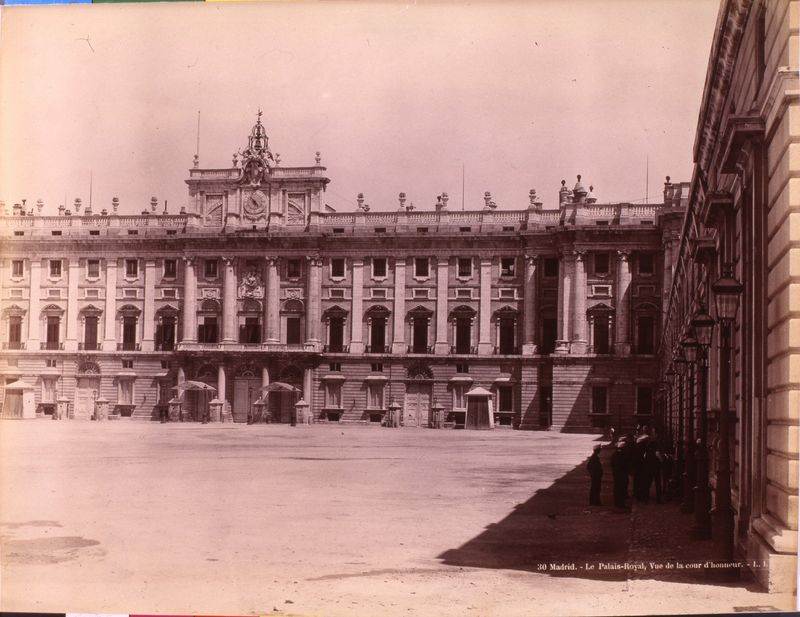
395	96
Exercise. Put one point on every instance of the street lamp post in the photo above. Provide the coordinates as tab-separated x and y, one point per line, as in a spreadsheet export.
668	401
703	325
689	346
680	458
727	291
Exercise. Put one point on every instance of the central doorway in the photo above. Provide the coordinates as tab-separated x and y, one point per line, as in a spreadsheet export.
417	404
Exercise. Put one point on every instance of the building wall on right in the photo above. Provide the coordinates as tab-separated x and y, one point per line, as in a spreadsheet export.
744	216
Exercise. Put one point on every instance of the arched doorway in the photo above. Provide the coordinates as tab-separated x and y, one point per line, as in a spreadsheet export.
246	391
417	402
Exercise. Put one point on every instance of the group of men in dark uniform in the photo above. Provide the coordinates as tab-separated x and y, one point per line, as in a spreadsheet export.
637	456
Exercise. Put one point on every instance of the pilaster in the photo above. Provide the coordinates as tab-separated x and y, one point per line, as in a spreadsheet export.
71	340
579	342
565	280
399	336
189	320
357	310
529	306
441	347
34	325
148	331
485	347
622	344
109	339
313	304
229	301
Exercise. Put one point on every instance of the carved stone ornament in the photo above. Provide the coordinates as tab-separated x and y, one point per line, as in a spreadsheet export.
294	293
210	292
251	285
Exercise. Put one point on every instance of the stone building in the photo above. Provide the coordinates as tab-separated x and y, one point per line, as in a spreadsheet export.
556	312
732	397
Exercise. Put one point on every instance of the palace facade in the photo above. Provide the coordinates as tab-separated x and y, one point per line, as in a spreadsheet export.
556	312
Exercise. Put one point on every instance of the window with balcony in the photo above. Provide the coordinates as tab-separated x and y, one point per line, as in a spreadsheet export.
421	267
165	333
645	334
131	268
129	325
250	331
336	334
419	332
17	268
549	335
293	330
601	264
170	268
377	335
294	268
208	330
508	266
464	267
55	268
337	268
378	267
93	269
53	332
601	334
462	319
90	323
507	334
15	332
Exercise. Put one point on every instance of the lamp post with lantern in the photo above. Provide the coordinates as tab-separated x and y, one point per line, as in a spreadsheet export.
703	326
727	293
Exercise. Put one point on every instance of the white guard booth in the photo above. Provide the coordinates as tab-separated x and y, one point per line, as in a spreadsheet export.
480	414
19	401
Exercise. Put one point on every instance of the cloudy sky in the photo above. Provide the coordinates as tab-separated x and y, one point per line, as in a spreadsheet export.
396	97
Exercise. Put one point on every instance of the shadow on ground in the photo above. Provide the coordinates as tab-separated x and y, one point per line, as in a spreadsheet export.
556	533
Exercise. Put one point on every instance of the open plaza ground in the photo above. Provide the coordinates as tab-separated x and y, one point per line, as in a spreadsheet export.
333	520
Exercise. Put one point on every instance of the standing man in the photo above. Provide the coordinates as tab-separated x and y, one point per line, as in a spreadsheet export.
619	468
595	468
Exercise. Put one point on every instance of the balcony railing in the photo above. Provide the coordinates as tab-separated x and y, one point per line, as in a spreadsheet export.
165	346
13	345
88	346
51	345
336	349
376	349
128	347
502	350
427	349
458	349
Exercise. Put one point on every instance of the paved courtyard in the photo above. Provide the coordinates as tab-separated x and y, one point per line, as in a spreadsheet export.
322	520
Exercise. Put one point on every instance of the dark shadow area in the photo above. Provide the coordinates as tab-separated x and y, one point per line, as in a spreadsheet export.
557	533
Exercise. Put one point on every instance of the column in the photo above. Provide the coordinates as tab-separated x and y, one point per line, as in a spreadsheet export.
308	395
357	310
148	332
399	337
229	302
564	303
485	347
622	345
34	323
579	305
529	306
313	303
264	379
109	330
189	321
666	284
273	329
441	347
71	340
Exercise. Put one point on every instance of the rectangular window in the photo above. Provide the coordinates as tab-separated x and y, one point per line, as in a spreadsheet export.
211	269
56	232
19	233
17	268
337	294
644	400
335	367
50	363
375	395
505	399
55	268
93	268
599	400
337	268
293	331
293	268
125	392
508	266
170	268
15	293
53	293
646	263
169	293
421	267
376	367
131	268
464	294
378	292
91	293
333	394
207	331
506	294
14	332
421	293
462	368
127	364
551	266
459	397
601	263
48	390
378	267
464	267
130	293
